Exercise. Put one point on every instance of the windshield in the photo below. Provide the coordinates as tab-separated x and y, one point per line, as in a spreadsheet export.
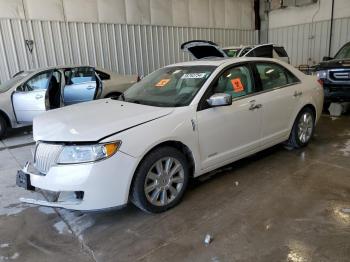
12	82
169	86
232	52
344	52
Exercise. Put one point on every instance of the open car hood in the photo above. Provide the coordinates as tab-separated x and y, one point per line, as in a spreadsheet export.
92	121
203	49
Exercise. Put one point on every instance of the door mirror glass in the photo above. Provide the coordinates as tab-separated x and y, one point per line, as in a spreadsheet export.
220	99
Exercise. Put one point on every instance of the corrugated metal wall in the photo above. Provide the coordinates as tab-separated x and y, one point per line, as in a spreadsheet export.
309	43
119	47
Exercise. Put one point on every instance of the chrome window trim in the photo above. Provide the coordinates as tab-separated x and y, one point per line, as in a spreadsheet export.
264	91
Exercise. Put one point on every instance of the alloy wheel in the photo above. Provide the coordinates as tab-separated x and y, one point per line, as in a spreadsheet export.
305	127
164	181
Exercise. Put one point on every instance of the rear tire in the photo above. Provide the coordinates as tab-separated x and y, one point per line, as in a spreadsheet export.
3	127
303	129
160	181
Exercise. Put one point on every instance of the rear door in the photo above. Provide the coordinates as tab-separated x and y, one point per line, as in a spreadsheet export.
280	92
31	98
82	84
200	49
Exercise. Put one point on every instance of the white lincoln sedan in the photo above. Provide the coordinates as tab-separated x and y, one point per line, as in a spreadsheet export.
179	122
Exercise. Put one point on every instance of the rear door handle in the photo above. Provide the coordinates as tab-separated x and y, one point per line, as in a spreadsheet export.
38	96
90	87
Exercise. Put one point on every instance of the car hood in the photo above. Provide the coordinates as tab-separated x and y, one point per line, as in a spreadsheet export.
92	121
334	63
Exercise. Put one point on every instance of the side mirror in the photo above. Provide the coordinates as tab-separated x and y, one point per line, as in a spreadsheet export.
327	58
220	99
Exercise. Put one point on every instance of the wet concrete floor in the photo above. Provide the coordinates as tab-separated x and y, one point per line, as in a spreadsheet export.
277	205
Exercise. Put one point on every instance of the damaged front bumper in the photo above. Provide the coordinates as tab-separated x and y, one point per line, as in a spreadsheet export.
90	186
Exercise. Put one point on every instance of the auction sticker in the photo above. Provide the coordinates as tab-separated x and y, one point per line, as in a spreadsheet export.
162	82
237	85
194	75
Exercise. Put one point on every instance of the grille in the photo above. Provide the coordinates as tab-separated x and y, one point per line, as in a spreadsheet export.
46	156
343	75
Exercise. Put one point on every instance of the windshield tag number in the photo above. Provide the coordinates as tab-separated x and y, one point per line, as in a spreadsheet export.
194	75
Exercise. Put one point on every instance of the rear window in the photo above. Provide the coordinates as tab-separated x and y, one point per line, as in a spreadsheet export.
280	51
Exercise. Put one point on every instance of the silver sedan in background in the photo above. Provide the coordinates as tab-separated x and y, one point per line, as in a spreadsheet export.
30	93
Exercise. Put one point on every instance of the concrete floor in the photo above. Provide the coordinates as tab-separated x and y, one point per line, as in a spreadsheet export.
288	206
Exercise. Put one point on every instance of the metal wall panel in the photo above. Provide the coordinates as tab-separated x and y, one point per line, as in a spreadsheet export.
126	49
309	43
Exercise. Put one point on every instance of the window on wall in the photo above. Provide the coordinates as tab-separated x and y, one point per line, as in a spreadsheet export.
236	81
273	76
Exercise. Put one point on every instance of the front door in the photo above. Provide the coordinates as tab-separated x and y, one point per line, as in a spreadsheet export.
280	94
31	98
82	84
228	132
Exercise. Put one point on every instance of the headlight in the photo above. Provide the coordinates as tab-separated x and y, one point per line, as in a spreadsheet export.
322	74
87	153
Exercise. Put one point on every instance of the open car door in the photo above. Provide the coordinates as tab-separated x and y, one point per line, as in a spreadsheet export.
200	49
82	85
31	98
261	51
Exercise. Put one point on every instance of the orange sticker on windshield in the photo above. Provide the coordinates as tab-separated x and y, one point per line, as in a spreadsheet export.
237	85
162	82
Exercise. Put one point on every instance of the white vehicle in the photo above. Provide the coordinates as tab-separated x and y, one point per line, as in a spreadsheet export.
179	122
264	50
30	93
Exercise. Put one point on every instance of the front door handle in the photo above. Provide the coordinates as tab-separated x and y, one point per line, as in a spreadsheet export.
38	96
297	93
253	107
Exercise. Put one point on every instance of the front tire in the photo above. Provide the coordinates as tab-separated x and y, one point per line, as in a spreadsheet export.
3	127
160	181
303	129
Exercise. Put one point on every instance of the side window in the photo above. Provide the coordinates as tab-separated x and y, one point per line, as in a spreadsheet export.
40	81
80	75
236	81
273	75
